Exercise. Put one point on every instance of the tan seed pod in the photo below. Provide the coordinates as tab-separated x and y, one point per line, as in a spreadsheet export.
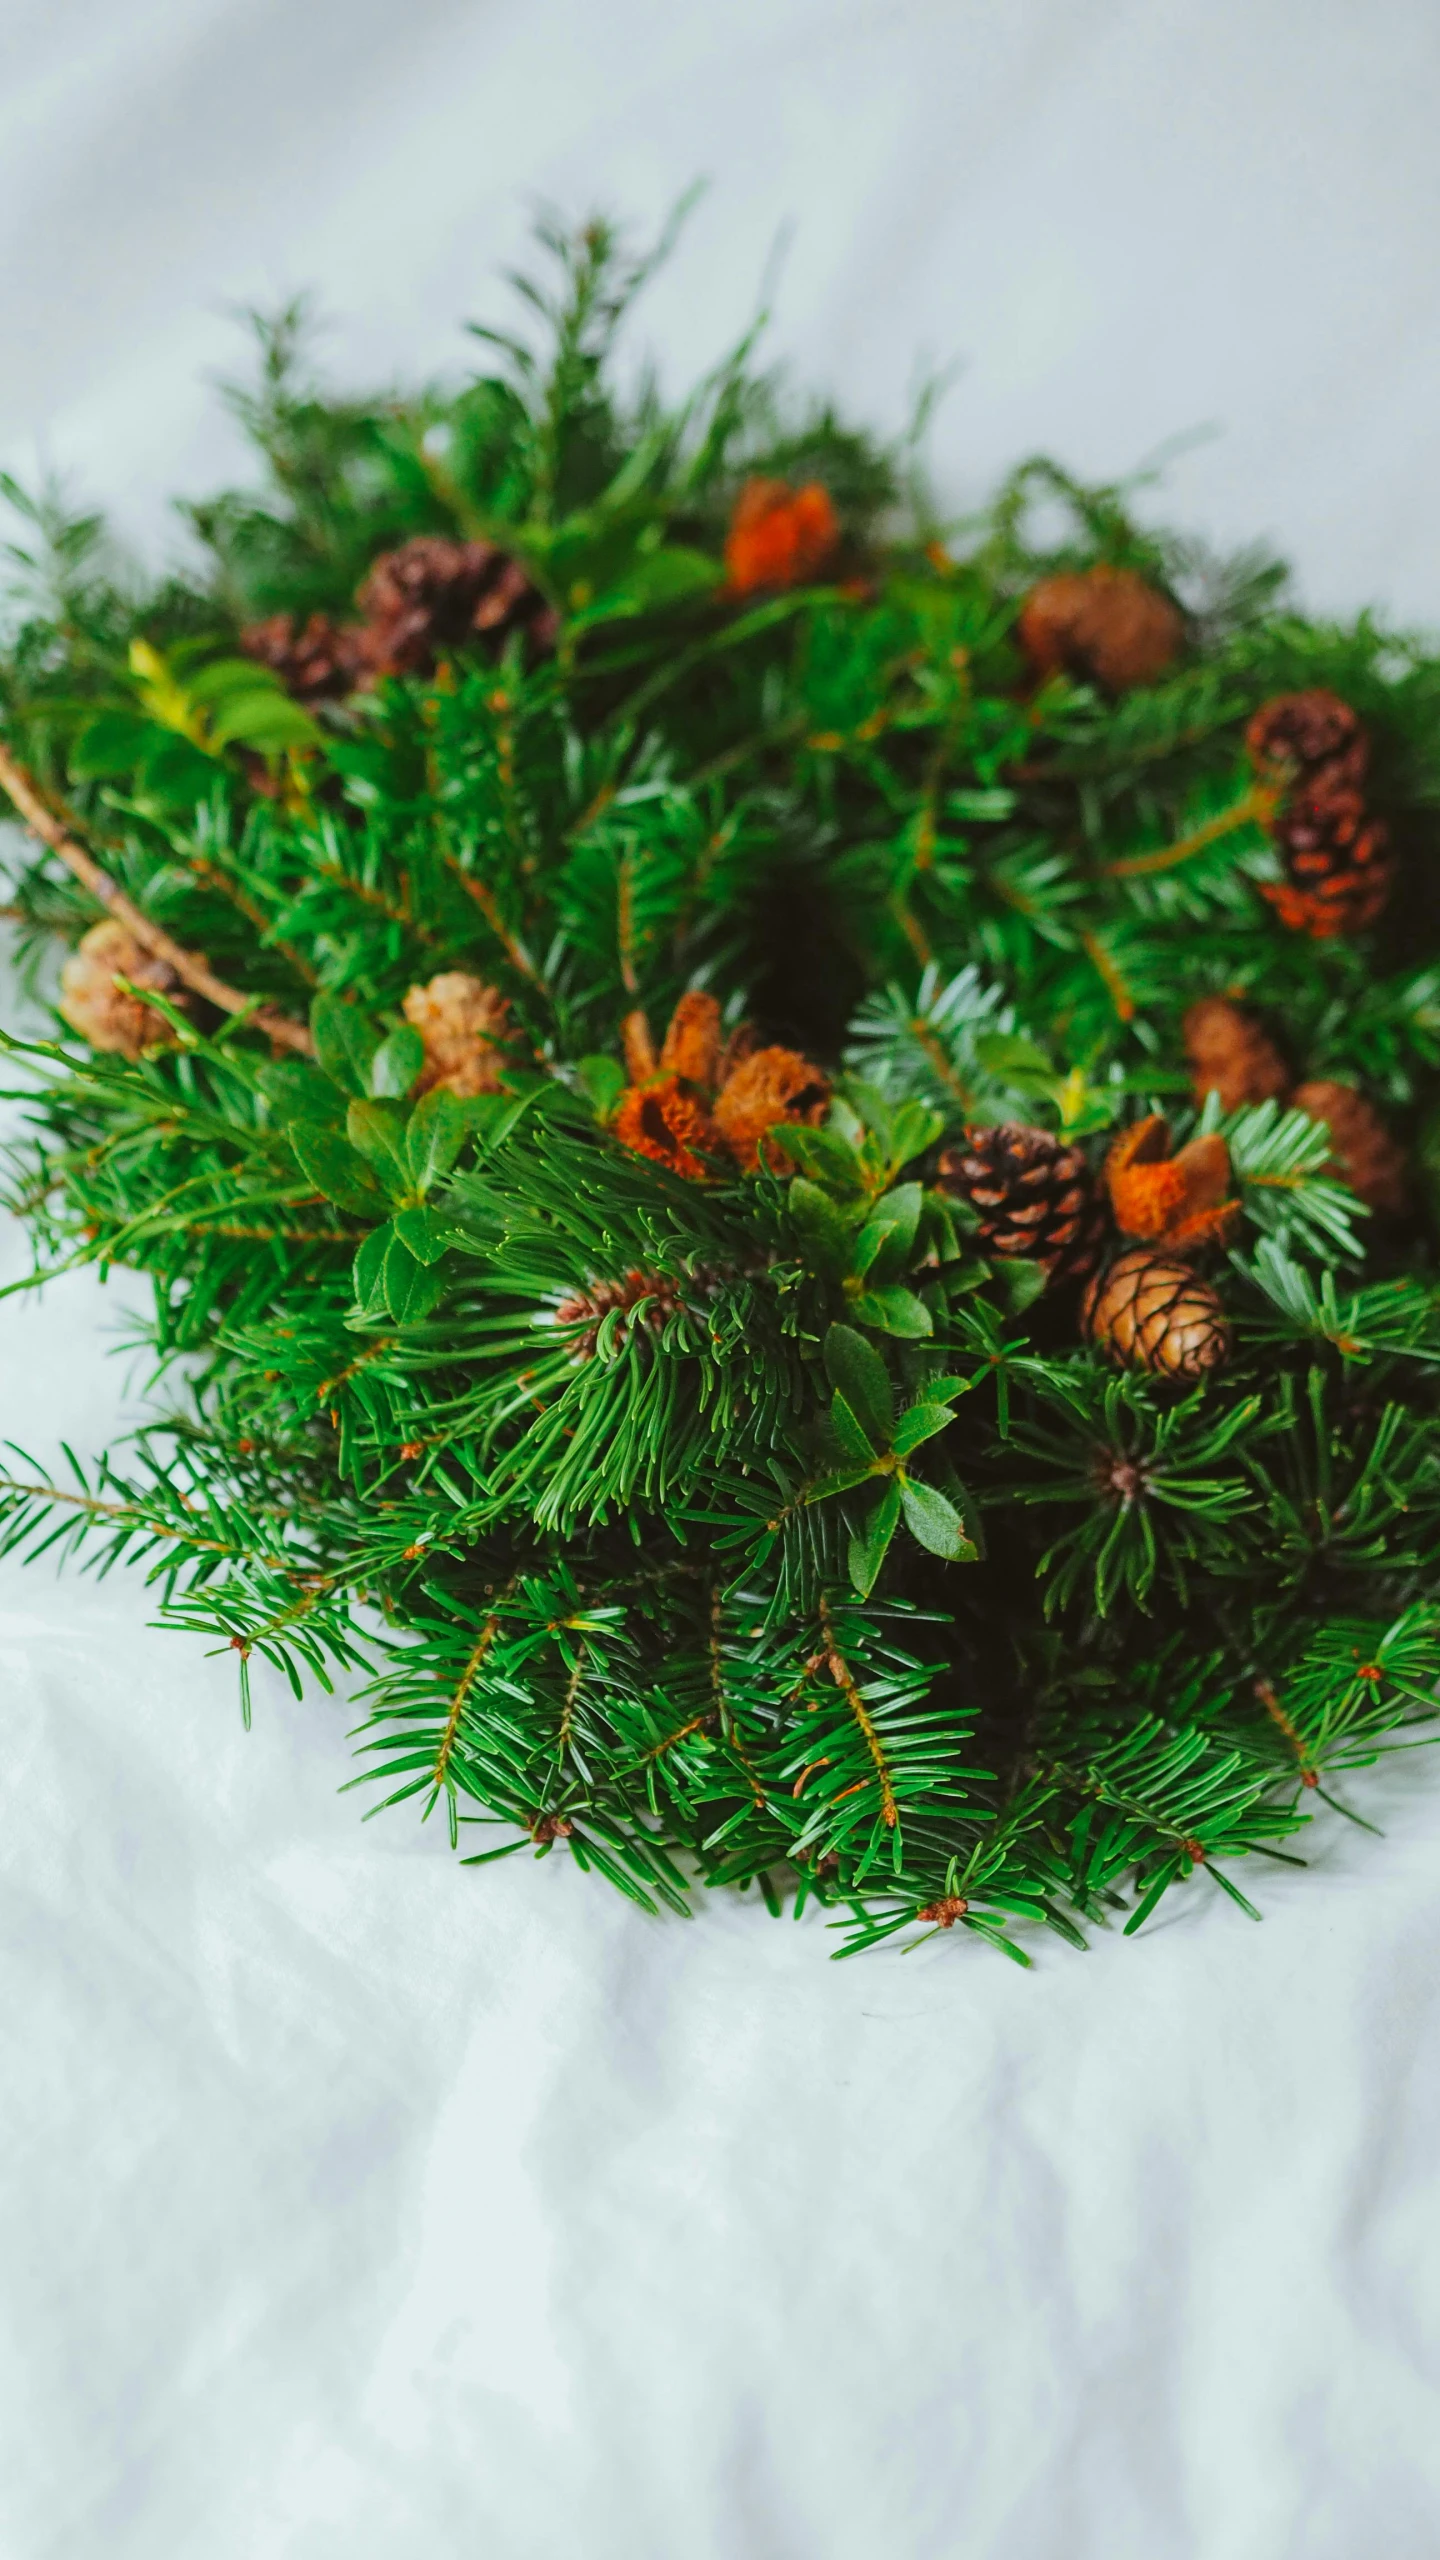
1366	1154
1151	1311
1231	1053
1108	626
463	1024
100	1010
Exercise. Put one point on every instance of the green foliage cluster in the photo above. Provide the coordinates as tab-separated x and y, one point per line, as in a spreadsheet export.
758	1531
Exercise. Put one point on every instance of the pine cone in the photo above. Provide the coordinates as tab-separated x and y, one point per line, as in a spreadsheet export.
1365	1153
316	661
1037	1199
779	536
1107	626
1231	1054
1151	1311
433	594
654	1291
1339	870
462	1023
102	1012
1295	733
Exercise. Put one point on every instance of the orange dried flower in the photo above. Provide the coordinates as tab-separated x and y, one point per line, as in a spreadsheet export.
779	536
692	1043
773	1084
1178	1201
700	1099
661	1120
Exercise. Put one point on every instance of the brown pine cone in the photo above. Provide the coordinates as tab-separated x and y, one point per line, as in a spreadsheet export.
1338	865
433	594
316	661
1296	732
1230	1053
463	1024
1151	1311
1037	1199
1107	626
101	1011
1365	1153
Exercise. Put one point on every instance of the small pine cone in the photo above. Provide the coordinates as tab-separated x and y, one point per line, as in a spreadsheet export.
1151	1311
1037	1199
433	594
766	1086
463	1024
1366	1154
1338	865
779	536
1230	1053
1295	733
1107	626
654	1291
101	1011
316	661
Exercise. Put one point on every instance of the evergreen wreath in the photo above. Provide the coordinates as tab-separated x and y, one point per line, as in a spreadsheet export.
786	1154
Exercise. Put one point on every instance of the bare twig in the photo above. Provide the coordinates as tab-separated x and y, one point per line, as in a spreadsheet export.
188	966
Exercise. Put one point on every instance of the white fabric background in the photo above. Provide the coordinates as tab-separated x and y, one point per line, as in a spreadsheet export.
352	2204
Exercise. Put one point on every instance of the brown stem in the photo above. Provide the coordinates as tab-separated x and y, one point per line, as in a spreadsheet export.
188	966
1256	809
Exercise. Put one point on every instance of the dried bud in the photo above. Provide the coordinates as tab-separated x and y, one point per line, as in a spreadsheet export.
779	536
770	1085
1176	1200
101	1011
665	1122
1107	626
463	1024
1365	1153
1231	1054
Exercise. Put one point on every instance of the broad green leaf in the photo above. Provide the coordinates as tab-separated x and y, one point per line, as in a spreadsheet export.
936	1523
1010	1055
886	1242
869	1543
857	1372
602	1081
915	1128
295	1090
268	722
896	1311
396	1063
854	1439
1018	1282
423	1232
369	1272
344	1042
228	677
435	1136
829	1157
825	1233
919	1422
327	1160
113	743
378	1130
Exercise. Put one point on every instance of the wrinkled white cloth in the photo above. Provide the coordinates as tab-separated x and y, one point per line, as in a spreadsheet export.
355	2204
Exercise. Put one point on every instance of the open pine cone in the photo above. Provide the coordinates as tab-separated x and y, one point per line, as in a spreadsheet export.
433	594
316	661
104	1013
1036	1197
1365	1153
